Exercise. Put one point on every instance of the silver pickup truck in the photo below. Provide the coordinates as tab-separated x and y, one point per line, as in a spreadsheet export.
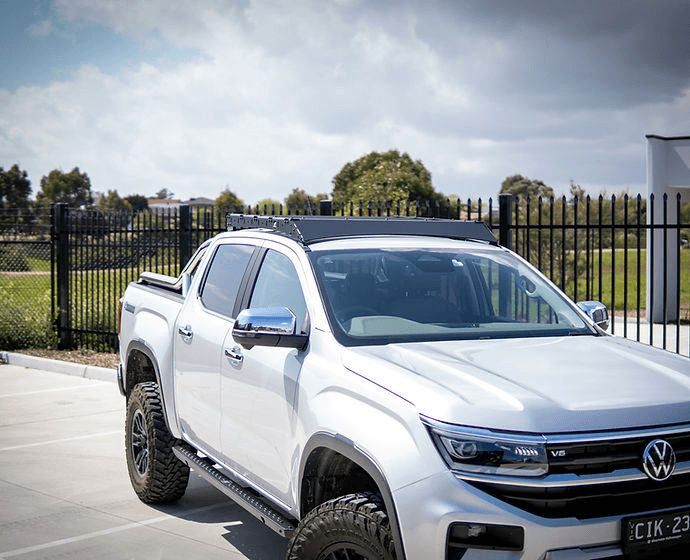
403	388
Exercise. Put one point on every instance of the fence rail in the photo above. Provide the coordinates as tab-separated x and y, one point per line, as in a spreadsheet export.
592	248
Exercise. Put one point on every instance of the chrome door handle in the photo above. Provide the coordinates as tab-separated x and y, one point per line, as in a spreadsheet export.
234	356
186	333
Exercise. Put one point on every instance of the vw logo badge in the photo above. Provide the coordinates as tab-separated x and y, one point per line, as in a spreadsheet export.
659	460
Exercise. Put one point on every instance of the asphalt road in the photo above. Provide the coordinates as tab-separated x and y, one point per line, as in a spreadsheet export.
65	493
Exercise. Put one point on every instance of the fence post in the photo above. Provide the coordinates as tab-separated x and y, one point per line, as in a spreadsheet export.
185	235
325	207
505	220
60	228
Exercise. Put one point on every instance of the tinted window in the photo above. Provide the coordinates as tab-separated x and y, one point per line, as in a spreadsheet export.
387	295
277	285
224	276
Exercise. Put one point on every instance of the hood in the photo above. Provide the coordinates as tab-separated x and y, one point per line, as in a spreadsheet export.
535	385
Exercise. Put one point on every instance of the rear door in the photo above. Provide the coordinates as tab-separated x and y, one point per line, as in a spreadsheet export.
207	315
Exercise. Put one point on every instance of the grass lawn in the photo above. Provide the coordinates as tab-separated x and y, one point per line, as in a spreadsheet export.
615	280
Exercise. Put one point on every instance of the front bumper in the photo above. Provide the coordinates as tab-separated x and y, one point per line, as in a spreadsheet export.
428	508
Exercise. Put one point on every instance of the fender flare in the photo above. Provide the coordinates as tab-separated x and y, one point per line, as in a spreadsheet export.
347	448
141	346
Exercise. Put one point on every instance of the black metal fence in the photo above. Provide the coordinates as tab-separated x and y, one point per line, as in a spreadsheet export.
80	261
27	306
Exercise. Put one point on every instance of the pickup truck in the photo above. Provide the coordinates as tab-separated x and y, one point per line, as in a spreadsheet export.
403	388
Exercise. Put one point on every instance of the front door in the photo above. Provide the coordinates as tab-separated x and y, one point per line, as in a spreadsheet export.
259	386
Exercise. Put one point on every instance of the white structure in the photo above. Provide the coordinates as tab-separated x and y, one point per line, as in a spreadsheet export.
668	172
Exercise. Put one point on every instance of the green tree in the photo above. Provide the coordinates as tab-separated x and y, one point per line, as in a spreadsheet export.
383	177
298	199
15	188
112	201
74	188
164	194
138	202
228	200
521	186
272	206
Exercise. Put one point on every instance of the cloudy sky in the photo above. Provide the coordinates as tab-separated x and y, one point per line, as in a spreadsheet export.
263	96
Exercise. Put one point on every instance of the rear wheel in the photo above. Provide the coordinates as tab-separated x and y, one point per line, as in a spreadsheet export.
157	476
353	527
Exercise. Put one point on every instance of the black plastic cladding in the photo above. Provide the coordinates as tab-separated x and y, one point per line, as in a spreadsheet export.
309	229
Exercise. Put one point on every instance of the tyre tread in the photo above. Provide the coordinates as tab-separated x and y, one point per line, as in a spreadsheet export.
167	477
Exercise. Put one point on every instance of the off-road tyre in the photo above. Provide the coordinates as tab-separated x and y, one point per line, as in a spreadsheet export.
355	527
157	476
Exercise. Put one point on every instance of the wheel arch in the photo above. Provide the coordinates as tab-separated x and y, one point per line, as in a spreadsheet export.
140	366
332	464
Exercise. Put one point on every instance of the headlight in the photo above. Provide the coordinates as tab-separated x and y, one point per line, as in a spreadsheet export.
483	452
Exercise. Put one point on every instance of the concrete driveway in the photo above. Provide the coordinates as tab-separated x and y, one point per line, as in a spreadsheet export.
65	493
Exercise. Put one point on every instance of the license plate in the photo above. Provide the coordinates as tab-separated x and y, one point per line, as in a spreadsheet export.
652	531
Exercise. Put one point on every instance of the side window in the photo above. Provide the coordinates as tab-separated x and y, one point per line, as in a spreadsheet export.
277	285
222	282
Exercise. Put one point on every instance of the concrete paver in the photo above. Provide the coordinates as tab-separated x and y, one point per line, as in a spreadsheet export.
65	492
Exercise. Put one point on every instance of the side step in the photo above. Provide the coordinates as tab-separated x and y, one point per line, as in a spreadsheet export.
245	498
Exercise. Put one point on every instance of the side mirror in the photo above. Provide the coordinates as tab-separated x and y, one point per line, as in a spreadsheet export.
596	311
269	326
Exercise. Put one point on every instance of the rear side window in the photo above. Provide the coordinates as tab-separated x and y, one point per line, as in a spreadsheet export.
222	283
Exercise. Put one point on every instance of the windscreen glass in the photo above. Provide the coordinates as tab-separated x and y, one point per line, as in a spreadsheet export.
376	296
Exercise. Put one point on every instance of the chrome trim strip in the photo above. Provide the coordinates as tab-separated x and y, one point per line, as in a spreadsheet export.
567	480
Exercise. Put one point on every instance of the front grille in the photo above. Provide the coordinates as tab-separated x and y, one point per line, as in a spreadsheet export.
587	501
594	500
583	458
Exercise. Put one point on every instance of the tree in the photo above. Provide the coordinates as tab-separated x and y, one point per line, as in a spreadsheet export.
138	202
228	200
74	188
383	177
272	206
164	194
521	186
298	200
112	201
15	188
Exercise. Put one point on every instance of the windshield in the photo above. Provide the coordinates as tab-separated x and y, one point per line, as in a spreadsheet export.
377	296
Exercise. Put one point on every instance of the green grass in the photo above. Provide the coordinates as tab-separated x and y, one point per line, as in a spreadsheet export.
25	315
615	283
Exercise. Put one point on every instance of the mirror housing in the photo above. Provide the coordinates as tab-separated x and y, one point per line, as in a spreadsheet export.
596	311
268	326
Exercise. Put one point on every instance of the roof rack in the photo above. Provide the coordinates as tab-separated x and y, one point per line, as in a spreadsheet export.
310	229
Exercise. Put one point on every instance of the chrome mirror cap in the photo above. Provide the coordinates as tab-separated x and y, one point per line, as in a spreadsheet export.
269	326
596	311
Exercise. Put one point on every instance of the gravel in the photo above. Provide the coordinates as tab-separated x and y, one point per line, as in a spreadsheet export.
85	357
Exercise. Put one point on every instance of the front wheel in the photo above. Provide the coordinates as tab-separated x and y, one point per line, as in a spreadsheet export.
355	527
157	476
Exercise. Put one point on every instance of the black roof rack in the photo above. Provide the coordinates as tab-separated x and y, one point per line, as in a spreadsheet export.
310	229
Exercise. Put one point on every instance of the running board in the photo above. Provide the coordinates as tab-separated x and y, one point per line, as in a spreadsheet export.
245	498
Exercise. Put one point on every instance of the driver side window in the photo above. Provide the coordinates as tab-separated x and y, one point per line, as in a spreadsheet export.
277	285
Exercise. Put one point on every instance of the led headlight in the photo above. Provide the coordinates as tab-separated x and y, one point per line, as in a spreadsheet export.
483	452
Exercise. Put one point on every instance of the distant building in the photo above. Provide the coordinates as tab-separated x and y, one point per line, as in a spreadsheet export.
161	205
200	202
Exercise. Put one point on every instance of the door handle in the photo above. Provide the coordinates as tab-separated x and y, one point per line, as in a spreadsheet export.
235	356
186	333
